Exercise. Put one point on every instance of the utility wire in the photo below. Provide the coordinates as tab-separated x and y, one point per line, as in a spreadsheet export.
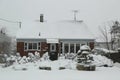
10	21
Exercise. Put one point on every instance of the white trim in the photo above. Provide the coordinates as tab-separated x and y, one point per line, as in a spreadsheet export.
69	48
74	47
63	48
52	40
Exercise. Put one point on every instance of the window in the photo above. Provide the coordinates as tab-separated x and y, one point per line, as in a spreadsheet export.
32	46
39	46
29	45
71	48
25	46
77	47
66	46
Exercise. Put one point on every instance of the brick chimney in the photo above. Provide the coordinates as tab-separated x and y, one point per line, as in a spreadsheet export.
41	18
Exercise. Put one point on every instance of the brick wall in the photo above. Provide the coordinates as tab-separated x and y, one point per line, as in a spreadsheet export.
20	48
91	44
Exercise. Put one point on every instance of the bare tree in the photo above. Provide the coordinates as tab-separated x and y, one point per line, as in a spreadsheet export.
5	42
110	34
105	36
115	35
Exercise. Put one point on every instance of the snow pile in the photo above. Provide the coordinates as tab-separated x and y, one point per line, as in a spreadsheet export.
103	51
66	61
45	57
85	47
101	60
98	60
54	65
70	55
117	64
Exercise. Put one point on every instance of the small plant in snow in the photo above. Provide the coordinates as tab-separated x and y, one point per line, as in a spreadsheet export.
37	56
70	55
31	57
18	58
9	60
61	56
23	60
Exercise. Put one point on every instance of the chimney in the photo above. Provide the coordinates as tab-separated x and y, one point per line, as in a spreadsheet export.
41	18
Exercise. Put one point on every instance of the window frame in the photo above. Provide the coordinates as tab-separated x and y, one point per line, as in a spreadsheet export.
26	45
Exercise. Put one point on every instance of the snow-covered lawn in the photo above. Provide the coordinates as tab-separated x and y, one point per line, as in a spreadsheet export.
71	73
27	69
102	73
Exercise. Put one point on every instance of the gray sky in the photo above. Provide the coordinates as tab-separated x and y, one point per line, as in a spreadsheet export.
93	12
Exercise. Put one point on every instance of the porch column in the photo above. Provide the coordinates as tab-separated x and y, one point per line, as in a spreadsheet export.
80	46
68	47
62	48
75	48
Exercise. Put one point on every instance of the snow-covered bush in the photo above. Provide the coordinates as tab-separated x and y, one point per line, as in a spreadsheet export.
23	60
18	58
45	57
31	57
103	51
100	60
70	55
37	55
61	57
9	60
85	47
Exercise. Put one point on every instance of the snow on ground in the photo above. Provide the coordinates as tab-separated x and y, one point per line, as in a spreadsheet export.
101	60
102	73
117	65
32	72
71	73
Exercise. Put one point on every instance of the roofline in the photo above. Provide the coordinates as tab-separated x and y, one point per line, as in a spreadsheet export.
44	39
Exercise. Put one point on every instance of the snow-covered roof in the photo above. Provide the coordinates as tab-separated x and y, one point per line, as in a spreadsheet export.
54	30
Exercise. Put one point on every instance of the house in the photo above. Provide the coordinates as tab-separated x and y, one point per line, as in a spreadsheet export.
65	36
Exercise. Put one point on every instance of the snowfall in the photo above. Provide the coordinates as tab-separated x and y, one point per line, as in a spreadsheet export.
32	71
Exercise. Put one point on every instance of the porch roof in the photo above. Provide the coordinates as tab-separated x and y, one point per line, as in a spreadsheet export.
52	40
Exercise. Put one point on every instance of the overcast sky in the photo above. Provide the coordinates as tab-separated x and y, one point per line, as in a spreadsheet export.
92	12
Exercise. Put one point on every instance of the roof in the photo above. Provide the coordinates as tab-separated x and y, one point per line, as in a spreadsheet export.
60	30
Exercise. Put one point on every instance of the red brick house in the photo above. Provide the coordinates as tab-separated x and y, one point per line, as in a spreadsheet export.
58	37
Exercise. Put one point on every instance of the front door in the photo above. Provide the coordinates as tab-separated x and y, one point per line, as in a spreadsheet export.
53	51
52	47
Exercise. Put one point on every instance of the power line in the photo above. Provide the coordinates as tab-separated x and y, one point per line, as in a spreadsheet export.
10	21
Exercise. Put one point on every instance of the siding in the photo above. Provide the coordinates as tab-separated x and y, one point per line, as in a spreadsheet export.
20	48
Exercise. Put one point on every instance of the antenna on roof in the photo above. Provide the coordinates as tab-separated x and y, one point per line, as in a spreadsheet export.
75	12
